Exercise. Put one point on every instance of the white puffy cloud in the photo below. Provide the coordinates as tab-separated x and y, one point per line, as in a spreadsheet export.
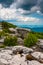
1	6
13	13
8	13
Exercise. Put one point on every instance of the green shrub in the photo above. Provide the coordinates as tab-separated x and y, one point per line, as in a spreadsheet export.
1	33
6	25
10	41
3	46
40	36
6	30
30	40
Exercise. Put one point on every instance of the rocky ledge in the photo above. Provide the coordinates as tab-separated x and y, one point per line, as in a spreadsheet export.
20	55
20	32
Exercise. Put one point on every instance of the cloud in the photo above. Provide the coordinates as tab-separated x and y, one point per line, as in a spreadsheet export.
28	6
25	4
17	10
6	3
14	14
27	19
41	6
7	13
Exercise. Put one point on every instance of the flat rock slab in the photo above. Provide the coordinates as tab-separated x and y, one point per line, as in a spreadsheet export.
37	55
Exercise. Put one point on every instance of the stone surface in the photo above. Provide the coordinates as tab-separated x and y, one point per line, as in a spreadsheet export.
20	41
40	43
38	56
8	58
33	62
13	30
25	49
22	32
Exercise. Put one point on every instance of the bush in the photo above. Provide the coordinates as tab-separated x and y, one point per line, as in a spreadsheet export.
10	41
1	34
6	25
6	30
2	46
39	35
30	40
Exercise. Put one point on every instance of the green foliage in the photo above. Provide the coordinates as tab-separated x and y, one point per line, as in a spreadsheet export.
7	25
3	46
6	34
10	41
6	30
39	35
30	40
1	34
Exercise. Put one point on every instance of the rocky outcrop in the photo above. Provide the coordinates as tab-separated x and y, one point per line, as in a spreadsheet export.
9	57
12	30
20	32
25	49
34	62
23	30
40	43
38	56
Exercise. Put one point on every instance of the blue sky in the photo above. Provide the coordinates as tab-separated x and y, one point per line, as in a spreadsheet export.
22	12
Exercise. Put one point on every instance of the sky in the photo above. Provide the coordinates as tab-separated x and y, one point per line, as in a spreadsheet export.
28	12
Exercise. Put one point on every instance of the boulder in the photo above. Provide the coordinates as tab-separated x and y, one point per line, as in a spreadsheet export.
34	62
25	49
22	31
5	56
40	43
3	62
12	30
7	51
22	58
38	56
20	41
